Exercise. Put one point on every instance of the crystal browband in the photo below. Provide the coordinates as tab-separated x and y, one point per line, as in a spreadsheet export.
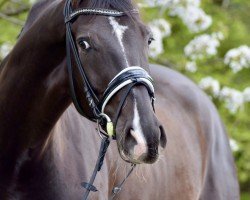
97	11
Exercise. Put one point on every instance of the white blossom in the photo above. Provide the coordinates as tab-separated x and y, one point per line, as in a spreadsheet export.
156	47
153	3
246	94
210	85
32	1
172	3
190	13
238	58
194	18
191	66
233	144
176	6
218	35
160	29
234	99
202	46
5	49
188	10
163	25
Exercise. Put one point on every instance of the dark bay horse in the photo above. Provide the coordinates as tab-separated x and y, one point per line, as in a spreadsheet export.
47	148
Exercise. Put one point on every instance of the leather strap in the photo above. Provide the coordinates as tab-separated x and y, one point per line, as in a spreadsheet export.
89	187
124	78
89	93
102	152
96	11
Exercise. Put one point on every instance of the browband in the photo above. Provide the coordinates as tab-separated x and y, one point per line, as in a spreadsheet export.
97	11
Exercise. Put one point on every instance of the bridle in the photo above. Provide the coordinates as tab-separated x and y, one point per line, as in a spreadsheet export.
129	78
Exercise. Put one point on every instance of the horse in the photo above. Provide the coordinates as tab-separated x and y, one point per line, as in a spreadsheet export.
47	148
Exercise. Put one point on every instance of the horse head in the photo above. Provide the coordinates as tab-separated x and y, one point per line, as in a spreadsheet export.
111	41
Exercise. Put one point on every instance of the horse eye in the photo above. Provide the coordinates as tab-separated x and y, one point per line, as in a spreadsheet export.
150	40
84	44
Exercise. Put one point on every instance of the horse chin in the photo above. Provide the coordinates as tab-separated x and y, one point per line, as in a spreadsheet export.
145	159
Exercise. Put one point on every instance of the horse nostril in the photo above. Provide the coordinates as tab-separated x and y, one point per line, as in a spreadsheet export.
163	137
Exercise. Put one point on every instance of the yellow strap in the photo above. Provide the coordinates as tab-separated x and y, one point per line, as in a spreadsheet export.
110	129
109	126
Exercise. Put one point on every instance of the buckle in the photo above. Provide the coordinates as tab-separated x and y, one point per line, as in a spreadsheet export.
89	187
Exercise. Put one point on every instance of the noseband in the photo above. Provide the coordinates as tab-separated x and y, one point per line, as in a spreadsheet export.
128	77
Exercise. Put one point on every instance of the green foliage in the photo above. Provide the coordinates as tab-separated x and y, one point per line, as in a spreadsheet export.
245	196
9	31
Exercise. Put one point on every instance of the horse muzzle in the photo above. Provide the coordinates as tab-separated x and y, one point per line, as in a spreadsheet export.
142	145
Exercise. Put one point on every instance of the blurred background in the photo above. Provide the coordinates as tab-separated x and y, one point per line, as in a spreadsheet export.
207	40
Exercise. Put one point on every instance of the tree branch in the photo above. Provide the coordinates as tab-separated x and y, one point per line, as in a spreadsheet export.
11	19
17	2
17	11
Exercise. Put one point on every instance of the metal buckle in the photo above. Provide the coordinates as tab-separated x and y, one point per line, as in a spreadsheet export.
109	125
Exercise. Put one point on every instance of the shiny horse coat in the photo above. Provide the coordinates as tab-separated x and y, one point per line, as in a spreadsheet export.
47	149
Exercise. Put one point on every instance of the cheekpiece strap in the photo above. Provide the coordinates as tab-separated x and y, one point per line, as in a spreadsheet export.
96	11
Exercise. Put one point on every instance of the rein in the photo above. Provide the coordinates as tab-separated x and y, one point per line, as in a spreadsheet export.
129	77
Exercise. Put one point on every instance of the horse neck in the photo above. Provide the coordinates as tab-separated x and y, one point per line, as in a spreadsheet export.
33	82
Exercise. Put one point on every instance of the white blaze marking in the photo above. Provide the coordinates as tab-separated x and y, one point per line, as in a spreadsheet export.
137	133
119	31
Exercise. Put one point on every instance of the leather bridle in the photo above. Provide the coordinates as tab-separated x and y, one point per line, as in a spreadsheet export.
129	77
